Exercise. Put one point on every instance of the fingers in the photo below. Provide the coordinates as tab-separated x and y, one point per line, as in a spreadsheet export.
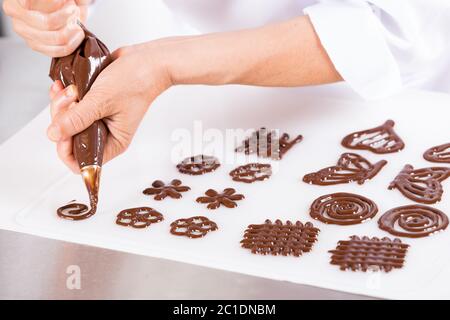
56	87
64	149
62	99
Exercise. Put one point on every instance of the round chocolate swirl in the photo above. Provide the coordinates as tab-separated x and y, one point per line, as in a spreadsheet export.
413	221
343	209
75	211
439	153
199	164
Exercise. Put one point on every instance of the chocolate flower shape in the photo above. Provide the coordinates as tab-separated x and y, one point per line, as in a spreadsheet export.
161	190
382	139
195	227
252	172
350	167
421	185
265	143
138	218
438	153
214	199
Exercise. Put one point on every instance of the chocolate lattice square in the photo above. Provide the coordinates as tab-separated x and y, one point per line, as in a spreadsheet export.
278	238
369	254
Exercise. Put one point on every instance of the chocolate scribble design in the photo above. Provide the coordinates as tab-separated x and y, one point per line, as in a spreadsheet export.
194	227
438	153
199	164
280	239
265	143
215	199
75	211
382	139
421	185
372	254
343	209
252	172
413	221
350	167
161	190
138	218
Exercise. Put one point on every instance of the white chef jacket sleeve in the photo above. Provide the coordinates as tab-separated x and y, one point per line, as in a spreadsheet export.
379	46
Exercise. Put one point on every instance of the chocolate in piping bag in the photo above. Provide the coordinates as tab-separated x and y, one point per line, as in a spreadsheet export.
81	68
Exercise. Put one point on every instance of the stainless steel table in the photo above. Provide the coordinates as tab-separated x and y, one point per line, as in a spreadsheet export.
36	268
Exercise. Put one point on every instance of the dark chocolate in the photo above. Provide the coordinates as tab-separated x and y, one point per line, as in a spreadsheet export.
280	239
252	172
265	143
413	221
81	68
75	211
372	254
350	167
199	164
343	208
161	190
421	185
138	218
194	227
439	153
382	139
215	199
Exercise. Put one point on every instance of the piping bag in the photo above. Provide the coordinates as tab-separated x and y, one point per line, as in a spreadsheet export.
81	68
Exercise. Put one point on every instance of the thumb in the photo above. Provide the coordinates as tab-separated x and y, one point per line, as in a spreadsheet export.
75	119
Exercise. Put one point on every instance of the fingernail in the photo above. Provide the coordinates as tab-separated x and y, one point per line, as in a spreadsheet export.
70	91
54	133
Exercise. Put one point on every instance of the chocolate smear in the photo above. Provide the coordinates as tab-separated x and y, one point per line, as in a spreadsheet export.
421	185
350	167
215	199
439	153
138	218
280	238
343	209
382	139
81	68
372	254
161	190
198	165
413	221
194	227
251	172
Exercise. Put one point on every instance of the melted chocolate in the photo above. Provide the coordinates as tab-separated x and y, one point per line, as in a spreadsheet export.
199	164
81	68
438	153
215	199
343	209
194	227
75	211
421	185
138	218
161	190
413	221
382	139
369	254
265	143
280	239
252	172
350	167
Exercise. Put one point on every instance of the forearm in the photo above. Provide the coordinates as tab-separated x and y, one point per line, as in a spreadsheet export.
283	54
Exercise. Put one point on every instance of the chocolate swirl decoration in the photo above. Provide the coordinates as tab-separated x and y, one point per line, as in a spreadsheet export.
421	185
251	172
381	139
350	167
413	221
343	209
138	218
75	211
198	165
439	153
194	227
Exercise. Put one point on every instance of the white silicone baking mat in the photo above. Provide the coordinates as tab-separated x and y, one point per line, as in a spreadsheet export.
206	113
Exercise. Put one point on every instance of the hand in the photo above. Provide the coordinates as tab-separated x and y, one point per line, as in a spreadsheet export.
120	96
49	27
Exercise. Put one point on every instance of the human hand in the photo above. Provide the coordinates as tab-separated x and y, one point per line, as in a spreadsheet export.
49	27
120	96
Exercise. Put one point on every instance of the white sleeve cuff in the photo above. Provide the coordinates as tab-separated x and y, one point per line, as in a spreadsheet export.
353	38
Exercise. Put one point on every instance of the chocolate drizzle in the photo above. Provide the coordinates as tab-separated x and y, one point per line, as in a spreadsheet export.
74	211
382	139
265	143
215	199
81	68
198	165
252	172
161	190
194	227
369	254
138	218
421	185
280	239
413	221
438	153
350	167
343	209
